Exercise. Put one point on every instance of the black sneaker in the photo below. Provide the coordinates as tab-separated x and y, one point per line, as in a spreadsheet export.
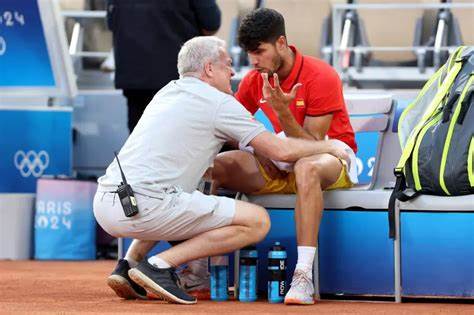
160	282
121	283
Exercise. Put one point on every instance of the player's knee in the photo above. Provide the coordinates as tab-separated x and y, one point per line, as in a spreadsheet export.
307	172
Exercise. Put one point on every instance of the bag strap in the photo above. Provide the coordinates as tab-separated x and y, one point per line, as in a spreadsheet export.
399	192
448	108
465	104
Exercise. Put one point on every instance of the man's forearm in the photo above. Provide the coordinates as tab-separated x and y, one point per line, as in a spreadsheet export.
291	127
292	149
296	149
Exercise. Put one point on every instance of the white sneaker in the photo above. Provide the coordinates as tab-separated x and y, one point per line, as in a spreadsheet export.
302	289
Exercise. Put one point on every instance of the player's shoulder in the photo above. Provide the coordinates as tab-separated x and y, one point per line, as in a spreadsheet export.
315	65
315	69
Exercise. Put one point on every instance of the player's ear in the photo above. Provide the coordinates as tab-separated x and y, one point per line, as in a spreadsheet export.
281	42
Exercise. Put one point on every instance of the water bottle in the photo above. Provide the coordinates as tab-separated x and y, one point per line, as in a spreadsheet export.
248	274
219	278
276	273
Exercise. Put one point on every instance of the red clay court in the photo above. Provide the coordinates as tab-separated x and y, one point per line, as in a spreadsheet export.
47	287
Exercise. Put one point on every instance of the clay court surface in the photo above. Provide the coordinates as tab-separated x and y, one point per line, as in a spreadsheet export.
79	287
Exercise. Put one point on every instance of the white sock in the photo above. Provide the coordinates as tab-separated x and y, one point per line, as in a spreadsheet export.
131	262
199	267
306	258
158	262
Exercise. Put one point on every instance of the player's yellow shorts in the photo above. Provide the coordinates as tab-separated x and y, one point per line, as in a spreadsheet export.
287	184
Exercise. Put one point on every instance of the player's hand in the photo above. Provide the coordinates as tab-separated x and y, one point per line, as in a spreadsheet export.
275	96
272	171
338	151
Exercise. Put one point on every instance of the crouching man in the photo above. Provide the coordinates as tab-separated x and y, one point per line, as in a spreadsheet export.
175	141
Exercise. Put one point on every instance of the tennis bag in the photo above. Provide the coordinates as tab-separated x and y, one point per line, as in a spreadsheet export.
436	133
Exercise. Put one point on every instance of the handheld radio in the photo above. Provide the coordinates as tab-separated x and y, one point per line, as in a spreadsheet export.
125	193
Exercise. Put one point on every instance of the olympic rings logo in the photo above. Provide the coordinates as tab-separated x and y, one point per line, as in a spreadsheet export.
31	163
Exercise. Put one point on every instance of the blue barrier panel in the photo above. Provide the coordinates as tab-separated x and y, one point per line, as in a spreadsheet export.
33	142
437	254
24	58
367	149
65	226
355	254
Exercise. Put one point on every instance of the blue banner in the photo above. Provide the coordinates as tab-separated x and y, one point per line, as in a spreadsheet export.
33	143
65	227
24	58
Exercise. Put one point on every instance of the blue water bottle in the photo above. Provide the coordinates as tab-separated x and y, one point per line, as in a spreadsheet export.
219	278
276	273
248	274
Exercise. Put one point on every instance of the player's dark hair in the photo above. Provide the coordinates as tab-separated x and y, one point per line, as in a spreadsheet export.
260	26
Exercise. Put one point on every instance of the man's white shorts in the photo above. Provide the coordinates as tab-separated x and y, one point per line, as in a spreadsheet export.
172	215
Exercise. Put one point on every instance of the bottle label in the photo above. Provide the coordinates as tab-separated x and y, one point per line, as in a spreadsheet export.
248	283
219	283
276	291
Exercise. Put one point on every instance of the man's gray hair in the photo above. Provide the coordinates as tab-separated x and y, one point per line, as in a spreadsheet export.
198	51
